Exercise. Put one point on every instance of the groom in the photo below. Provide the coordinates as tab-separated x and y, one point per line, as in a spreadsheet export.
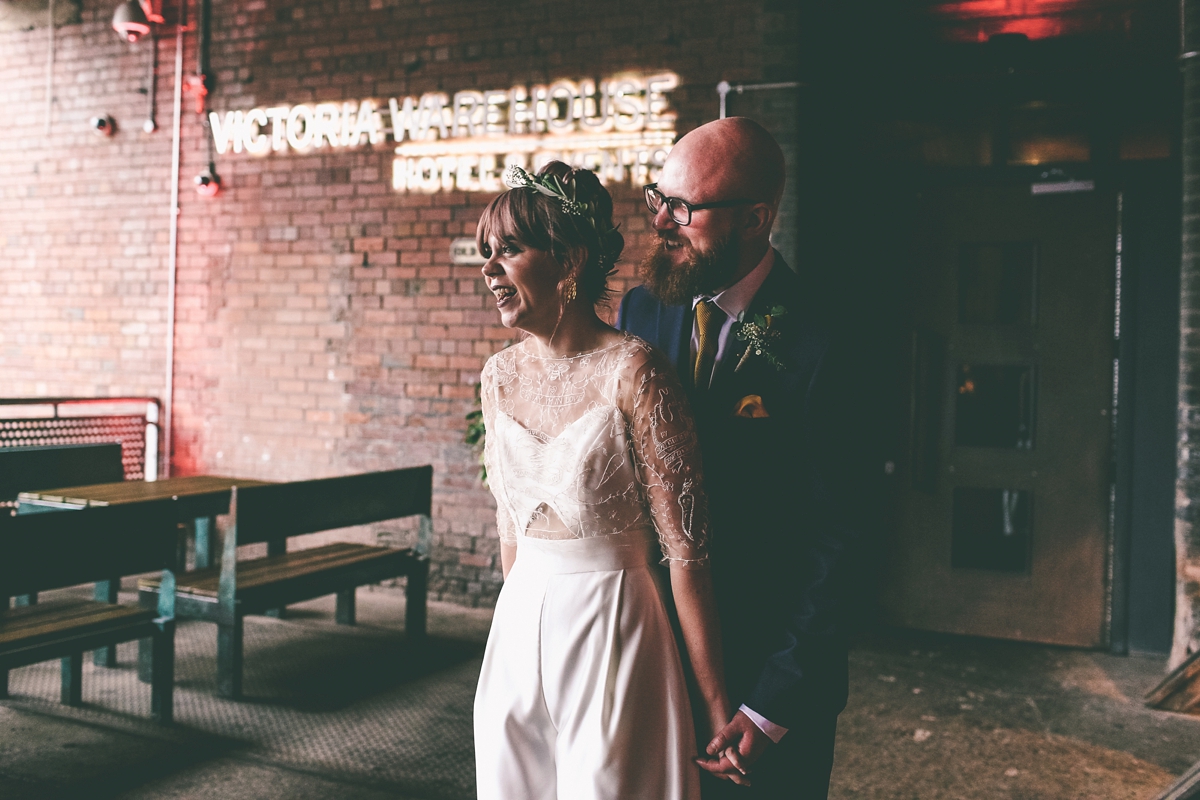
782	451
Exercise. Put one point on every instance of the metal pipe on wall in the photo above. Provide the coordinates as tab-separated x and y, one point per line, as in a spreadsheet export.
50	70
724	88
173	247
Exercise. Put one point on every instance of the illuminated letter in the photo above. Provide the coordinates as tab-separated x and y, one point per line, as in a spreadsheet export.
519	113
433	108
399	174
493	119
325	125
427	174
463	180
596	114
658	118
627	104
540	113
465	106
299	133
368	122
254	140
489	175
278	115
560	106
403	119
417	119
228	132
349	117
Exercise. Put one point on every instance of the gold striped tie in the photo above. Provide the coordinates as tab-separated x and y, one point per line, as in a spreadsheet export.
708	324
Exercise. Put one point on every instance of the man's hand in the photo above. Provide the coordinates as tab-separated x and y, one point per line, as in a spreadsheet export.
734	749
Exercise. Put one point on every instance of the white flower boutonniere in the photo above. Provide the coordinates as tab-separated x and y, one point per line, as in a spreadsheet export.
761	336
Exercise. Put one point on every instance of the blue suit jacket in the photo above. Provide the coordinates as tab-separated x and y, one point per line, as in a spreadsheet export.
785	495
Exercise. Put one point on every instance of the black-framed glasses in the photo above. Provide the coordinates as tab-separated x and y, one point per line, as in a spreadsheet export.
680	209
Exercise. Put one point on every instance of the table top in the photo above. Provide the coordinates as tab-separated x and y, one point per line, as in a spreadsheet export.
192	487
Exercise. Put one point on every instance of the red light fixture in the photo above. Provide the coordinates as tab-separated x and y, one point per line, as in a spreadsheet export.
132	19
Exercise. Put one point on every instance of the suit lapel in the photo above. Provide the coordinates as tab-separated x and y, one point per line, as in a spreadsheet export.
675	339
775	290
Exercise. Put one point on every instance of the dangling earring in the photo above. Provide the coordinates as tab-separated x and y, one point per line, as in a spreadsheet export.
570	290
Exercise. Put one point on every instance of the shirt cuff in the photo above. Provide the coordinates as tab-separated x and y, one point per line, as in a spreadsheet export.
774	732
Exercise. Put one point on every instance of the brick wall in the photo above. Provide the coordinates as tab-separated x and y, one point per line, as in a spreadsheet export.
321	327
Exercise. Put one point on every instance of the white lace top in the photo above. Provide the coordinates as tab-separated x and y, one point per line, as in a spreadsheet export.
597	444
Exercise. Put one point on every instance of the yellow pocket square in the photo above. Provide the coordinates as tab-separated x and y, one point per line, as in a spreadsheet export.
750	406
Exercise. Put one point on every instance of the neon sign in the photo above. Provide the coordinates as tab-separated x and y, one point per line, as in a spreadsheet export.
622	128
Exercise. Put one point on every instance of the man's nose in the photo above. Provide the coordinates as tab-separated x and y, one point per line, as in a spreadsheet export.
662	219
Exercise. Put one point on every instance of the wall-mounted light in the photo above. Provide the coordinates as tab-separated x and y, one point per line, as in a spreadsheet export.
132	19
208	182
104	125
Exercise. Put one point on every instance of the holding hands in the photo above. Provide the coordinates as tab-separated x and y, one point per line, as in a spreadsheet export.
734	750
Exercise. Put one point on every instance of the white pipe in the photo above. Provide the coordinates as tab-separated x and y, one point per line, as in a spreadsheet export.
173	255
724	88
50	72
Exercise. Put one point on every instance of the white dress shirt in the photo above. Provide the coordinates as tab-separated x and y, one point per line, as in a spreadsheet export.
735	301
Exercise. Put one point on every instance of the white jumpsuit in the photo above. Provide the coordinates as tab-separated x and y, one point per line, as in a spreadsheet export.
594	466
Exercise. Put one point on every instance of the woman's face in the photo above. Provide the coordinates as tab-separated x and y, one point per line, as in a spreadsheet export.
525	283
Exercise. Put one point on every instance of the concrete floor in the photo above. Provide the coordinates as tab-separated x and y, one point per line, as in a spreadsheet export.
335	712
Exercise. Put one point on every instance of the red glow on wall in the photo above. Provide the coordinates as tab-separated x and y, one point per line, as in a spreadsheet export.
1033	28
979	20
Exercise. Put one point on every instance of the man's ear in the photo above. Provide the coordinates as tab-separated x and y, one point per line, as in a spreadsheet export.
758	220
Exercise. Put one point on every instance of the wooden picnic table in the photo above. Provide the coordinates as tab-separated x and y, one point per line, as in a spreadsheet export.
199	498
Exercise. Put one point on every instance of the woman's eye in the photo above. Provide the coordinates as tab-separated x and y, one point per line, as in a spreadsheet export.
486	250
509	250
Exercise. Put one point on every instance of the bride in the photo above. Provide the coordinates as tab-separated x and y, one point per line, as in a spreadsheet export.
592	457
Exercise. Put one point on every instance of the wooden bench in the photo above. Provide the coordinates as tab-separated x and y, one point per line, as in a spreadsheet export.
50	551
271	513
26	468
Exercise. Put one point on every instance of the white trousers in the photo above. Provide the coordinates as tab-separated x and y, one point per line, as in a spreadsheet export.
582	694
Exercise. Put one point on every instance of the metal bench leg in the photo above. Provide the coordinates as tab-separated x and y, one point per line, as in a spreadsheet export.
205	542
71	693
276	547
106	592
229	658
414	593
162	682
145	660
345	614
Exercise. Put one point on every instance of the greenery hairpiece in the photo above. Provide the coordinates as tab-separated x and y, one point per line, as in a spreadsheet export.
549	185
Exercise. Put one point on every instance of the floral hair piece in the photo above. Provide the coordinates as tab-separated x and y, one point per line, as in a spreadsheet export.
517	178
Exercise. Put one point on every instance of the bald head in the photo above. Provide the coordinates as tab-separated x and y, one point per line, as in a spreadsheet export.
727	158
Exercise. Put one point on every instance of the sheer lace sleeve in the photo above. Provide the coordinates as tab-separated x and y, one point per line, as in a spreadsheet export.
668	461
505	524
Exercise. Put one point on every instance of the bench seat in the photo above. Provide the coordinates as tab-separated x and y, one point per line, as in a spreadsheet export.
26	627
273	513
266	583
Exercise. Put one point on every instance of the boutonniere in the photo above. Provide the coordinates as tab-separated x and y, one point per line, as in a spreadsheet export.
761	335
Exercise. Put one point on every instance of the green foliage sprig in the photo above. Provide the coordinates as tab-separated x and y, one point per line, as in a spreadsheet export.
761	336
476	434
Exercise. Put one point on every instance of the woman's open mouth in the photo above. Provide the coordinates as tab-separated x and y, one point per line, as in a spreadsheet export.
503	294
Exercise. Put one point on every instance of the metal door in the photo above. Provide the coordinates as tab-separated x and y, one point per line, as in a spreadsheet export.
1004	508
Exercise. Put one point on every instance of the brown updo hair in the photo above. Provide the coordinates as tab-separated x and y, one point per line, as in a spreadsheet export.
539	221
